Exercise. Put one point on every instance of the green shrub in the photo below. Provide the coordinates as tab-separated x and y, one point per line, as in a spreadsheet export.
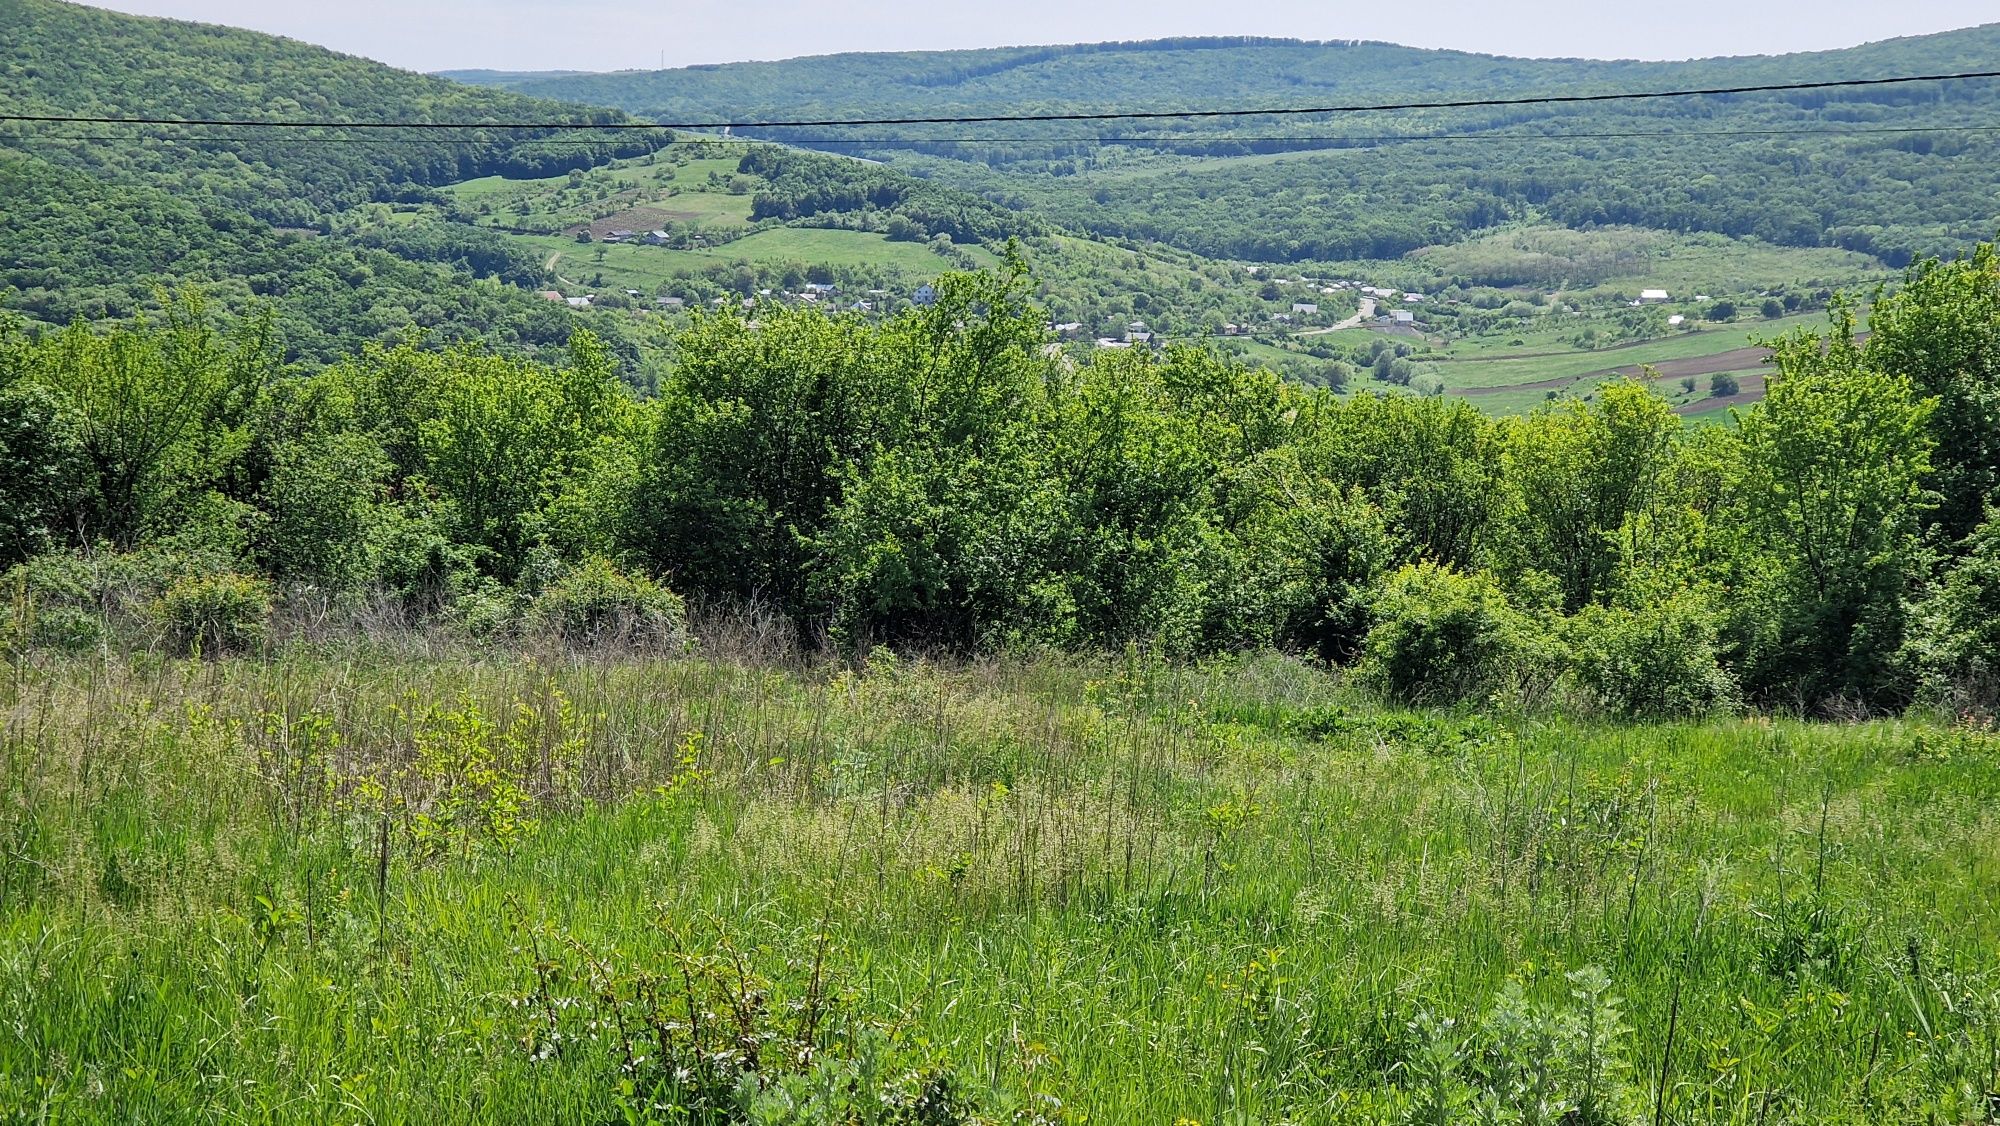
43	472
596	604
215	614
1444	637
1656	660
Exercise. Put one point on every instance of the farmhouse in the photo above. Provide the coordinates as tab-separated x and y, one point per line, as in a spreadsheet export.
1403	317
1306	307
550	295
1653	296
620	236
579	302
656	238
1137	333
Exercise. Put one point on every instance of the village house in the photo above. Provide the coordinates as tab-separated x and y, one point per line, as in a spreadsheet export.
1306	307
620	236
580	302
656	238
1138	333
1653	296
550	295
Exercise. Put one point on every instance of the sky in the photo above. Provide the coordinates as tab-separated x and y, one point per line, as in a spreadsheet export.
627	34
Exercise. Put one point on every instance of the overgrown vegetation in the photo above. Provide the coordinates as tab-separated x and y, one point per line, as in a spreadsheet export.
363	881
944	481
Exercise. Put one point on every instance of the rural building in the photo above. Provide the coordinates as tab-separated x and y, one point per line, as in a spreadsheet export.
1653	296
671	302
926	295
551	295
1676	319
1137	333
579	302
1306	307
656	238
620	236
1403	317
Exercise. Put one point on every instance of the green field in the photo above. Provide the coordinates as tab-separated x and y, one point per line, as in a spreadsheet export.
349	886
1493	363
647	267
685	192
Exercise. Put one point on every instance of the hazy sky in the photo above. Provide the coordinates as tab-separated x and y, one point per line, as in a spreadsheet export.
619	34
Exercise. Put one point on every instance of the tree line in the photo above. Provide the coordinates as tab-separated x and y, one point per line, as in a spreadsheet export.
944	481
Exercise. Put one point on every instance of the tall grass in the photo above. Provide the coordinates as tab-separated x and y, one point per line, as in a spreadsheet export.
356	884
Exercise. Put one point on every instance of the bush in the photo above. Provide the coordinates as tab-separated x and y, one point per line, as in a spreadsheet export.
1443	637
596	605
1955	650
1721	385
216	613
1657	660
42	470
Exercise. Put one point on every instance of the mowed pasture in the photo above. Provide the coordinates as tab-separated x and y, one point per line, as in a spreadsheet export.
355	884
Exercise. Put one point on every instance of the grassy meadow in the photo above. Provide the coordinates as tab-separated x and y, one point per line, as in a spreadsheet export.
375	885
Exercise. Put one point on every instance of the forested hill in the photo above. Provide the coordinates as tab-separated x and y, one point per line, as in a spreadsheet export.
96	219
1893	170
71	60
1190	73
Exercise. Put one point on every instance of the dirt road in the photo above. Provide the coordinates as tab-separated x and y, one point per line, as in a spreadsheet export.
1367	311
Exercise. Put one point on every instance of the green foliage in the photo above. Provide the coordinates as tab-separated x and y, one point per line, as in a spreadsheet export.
1835	462
1442	637
160	415
596	605
495	440
1955	645
1941	329
215	614
43	472
1433	466
322	497
1580	472
1657	659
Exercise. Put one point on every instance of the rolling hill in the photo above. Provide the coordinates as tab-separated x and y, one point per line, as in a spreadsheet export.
1893	171
97	218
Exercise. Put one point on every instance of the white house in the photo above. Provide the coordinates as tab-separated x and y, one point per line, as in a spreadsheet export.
1654	296
579	302
1306	307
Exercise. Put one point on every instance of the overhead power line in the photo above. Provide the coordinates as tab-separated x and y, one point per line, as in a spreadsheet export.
1162	141
987	119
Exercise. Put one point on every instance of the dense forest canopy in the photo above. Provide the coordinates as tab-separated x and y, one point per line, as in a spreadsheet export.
98	218
1813	168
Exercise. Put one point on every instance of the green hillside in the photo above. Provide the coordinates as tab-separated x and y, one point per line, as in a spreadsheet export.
98	219
1892	194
